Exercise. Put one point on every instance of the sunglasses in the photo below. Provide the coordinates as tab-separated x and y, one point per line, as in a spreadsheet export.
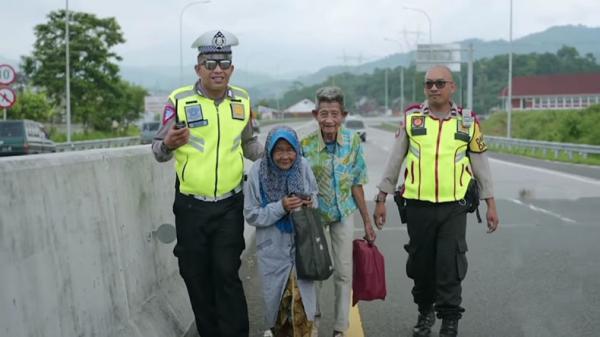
440	84
212	64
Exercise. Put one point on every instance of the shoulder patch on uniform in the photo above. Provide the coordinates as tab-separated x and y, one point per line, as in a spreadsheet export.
238	111
413	108
417	122
168	114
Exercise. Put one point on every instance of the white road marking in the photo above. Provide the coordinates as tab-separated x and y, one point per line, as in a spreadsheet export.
543	210
549	171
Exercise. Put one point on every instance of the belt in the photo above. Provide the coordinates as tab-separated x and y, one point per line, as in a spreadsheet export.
219	198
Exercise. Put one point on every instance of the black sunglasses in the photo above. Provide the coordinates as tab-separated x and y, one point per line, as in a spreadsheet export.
212	64
440	84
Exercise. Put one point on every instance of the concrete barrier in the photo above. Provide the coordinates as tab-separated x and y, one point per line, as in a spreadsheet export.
77	256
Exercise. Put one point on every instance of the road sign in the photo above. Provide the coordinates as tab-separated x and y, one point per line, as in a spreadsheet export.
433	54
7	74
7	98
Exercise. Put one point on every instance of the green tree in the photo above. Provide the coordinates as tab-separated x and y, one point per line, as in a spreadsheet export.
32	105
95	78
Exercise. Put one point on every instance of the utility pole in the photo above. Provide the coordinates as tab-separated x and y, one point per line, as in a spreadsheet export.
386	91
402	103
470	78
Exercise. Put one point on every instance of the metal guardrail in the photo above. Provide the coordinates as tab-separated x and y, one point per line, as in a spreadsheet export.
97	144
537	145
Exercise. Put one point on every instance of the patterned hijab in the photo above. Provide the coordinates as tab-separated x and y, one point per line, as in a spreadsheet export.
276	183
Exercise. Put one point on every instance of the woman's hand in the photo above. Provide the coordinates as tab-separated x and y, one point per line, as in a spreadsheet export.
290	203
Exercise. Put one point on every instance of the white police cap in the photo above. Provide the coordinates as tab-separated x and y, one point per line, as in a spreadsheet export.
215	42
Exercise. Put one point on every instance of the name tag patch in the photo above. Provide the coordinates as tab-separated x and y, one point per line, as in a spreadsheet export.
194	116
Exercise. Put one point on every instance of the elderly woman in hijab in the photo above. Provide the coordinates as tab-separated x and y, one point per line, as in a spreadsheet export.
279	182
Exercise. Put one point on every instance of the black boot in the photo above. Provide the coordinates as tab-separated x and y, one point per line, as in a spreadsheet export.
424	323
449	328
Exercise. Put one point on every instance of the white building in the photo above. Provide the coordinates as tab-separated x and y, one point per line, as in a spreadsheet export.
304	108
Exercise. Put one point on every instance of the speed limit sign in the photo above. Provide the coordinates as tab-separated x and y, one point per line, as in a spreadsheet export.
7	74
7	98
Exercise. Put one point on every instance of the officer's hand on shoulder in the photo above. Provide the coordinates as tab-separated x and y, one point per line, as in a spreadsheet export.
176	137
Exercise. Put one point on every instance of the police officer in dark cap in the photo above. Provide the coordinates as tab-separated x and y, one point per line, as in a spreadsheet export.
206	127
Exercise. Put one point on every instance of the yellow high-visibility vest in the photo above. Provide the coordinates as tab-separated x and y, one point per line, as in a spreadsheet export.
438	168
211	164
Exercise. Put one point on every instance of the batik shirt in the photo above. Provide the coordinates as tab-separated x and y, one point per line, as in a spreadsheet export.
336	172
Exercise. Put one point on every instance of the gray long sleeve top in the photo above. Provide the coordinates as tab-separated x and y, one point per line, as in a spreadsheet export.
275	250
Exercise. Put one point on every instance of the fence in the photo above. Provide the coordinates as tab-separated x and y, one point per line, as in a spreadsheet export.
97	144
537	145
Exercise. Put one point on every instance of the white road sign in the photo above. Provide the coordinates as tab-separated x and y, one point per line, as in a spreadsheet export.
7	74
7	98
432	54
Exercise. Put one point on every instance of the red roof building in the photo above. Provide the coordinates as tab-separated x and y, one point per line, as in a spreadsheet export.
561	91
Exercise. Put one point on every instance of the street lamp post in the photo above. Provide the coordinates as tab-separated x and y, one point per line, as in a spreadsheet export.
509	103
401	74
426	15
67	73
181	35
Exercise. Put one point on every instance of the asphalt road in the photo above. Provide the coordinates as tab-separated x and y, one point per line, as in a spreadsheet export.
538	275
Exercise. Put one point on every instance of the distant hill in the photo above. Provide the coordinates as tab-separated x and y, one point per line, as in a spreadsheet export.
4	60
162	79
584	39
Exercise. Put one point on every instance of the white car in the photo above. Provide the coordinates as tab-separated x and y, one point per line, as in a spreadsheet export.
357	126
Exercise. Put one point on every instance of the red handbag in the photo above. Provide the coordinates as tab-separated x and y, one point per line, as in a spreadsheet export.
368	272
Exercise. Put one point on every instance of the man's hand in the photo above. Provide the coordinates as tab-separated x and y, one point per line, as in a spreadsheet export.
176	137
491	215
370	235
379	215
290	203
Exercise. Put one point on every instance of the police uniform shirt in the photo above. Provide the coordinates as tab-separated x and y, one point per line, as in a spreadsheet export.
477	155
251	147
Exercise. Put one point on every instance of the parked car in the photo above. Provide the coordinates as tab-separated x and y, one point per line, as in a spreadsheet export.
149	130
357	126
24	137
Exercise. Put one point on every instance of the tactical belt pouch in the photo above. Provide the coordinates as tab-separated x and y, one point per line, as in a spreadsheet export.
472	198
401	203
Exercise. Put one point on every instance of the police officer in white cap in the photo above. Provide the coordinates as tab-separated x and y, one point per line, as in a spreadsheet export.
205	126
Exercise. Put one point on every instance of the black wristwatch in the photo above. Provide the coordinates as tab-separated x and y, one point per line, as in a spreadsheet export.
164	148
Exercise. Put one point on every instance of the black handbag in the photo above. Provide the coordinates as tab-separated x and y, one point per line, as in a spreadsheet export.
313	261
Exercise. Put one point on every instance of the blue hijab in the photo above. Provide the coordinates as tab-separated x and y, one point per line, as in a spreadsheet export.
276	183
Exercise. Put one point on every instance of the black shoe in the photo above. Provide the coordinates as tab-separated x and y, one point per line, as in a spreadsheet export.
424	324
449	328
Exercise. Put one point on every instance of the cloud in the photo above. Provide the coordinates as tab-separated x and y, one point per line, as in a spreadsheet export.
280	36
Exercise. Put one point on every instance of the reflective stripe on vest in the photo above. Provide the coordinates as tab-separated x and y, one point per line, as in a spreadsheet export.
212	163
438	169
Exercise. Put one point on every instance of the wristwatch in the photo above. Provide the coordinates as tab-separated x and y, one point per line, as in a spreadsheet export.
379	198
164	148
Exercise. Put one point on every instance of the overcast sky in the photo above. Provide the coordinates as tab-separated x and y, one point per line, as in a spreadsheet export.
279	36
